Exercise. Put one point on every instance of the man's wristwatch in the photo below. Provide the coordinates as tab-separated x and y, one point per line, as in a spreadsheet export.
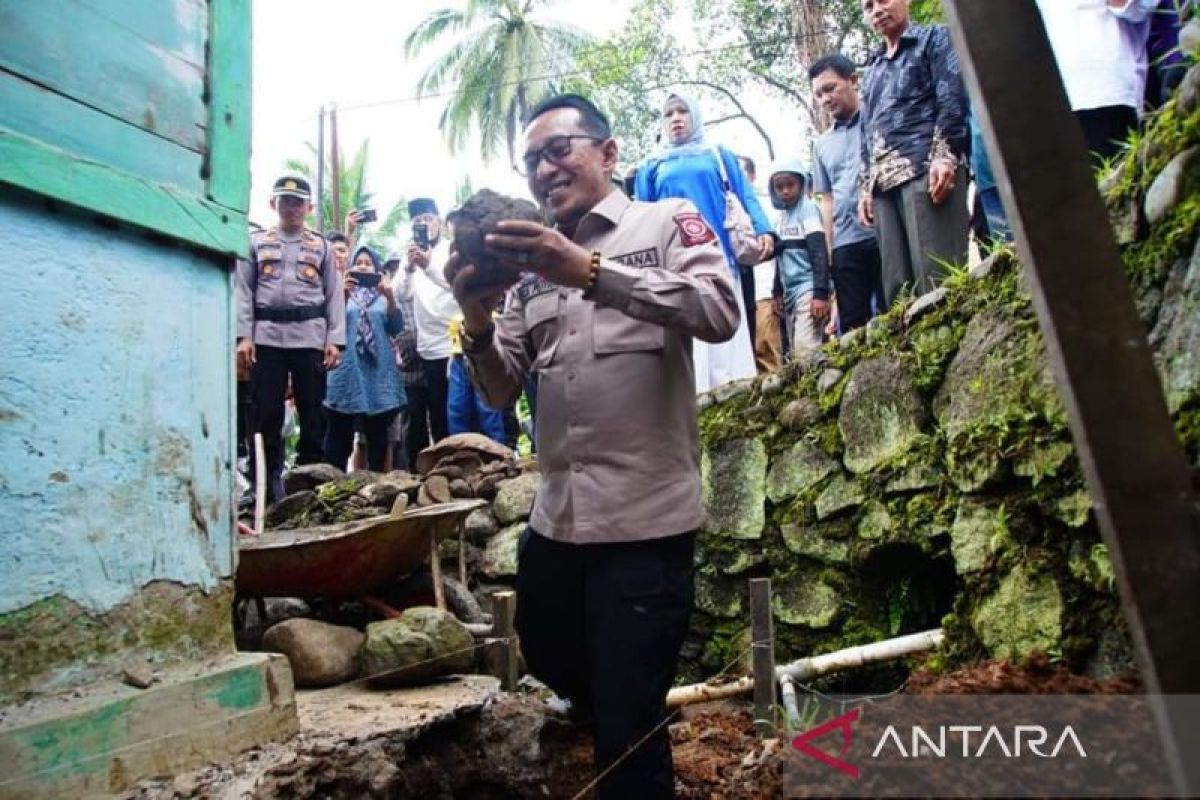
474	345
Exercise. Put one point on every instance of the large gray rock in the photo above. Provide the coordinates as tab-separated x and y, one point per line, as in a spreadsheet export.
310	476
320	654
481	525
514	498
500	555
800	467
383	492
805	600
800	414
421	644
1178	178
1179	354
1024	614
1188	98
881	415
288	507
838	495
810	541
975	535
734	475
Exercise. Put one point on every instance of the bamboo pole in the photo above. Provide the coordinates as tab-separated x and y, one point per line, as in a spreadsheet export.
851	657
435	568
260	483
707	692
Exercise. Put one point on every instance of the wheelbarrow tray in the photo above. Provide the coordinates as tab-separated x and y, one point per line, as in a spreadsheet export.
347	560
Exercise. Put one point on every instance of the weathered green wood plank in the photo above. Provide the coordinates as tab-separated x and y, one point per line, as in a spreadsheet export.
228	163
102	63
53	119
48	171
180	31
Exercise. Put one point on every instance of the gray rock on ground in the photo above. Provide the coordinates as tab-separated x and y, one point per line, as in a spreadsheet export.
320	654
514	498
310	476
422	644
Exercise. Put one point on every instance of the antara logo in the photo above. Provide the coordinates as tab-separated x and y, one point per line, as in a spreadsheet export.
937	742
803	742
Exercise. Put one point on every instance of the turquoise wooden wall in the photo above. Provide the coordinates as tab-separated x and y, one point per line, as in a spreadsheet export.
124	183
137	109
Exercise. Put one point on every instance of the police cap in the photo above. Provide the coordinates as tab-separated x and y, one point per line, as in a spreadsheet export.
292	185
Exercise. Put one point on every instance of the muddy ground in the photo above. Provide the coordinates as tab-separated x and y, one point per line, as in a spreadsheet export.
486	745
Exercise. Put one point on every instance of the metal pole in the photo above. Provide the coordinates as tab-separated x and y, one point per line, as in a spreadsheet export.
321	170
762	649
504	609
335	170
1136	471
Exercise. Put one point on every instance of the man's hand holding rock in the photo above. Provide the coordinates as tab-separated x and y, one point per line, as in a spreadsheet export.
521	245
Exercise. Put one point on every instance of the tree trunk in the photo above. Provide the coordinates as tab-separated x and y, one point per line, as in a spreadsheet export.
812	42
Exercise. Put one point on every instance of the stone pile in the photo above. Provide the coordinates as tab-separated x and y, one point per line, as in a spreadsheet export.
461	466
919	472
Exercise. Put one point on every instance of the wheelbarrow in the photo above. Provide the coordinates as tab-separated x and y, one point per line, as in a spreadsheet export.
352	560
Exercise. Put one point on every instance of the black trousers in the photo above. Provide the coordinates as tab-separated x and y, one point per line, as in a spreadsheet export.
339	437
245	443
427	409
1106	128
268	391
857	278
747	276
602	625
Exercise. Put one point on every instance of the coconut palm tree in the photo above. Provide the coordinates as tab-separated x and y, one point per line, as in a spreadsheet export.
500	58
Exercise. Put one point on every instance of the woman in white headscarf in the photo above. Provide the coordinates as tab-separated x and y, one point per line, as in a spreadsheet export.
690	167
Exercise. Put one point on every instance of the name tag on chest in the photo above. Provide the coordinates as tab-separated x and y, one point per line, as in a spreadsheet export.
534	286
639	259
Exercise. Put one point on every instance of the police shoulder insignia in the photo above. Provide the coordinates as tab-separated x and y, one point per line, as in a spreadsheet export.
693	230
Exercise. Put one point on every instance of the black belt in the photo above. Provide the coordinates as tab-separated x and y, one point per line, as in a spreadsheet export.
288	314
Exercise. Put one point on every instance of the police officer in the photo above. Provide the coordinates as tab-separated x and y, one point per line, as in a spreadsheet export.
291	323
612	297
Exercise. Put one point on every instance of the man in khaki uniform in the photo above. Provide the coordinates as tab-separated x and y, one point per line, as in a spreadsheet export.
291	323
605	313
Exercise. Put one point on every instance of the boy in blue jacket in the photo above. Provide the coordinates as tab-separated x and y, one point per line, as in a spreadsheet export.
802	260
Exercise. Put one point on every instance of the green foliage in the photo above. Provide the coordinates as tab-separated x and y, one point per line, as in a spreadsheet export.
498	59
352	194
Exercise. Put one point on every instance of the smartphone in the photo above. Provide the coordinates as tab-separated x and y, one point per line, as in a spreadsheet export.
366	215
421	234
367	280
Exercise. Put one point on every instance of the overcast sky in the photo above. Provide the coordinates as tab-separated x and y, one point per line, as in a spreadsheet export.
313	52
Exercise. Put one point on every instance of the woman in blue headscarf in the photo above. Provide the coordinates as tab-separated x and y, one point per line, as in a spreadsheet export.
690	167
366	389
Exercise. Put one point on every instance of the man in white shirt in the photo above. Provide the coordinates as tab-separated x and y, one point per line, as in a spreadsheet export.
1100	47
433	307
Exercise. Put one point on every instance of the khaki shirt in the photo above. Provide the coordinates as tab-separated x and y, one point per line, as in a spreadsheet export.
290	272
617	439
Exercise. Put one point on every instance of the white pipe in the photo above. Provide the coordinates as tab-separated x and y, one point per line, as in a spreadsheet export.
860	655
806	668
791	706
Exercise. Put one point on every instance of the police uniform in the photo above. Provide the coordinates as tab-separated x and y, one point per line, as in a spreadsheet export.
605	570
290	302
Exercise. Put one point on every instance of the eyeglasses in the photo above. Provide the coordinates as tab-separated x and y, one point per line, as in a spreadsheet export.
554	151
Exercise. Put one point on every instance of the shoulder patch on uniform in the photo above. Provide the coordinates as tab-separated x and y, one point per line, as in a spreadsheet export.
639	259
533	285
693	230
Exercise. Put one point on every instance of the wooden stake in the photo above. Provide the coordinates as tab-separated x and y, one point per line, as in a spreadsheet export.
260	483
762	650
462	555
504	608
435	567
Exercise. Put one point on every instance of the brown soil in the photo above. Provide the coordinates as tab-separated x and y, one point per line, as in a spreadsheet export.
1036	675
717	756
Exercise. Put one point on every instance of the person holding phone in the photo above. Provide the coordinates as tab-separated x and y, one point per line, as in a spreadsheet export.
433	309
366	389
